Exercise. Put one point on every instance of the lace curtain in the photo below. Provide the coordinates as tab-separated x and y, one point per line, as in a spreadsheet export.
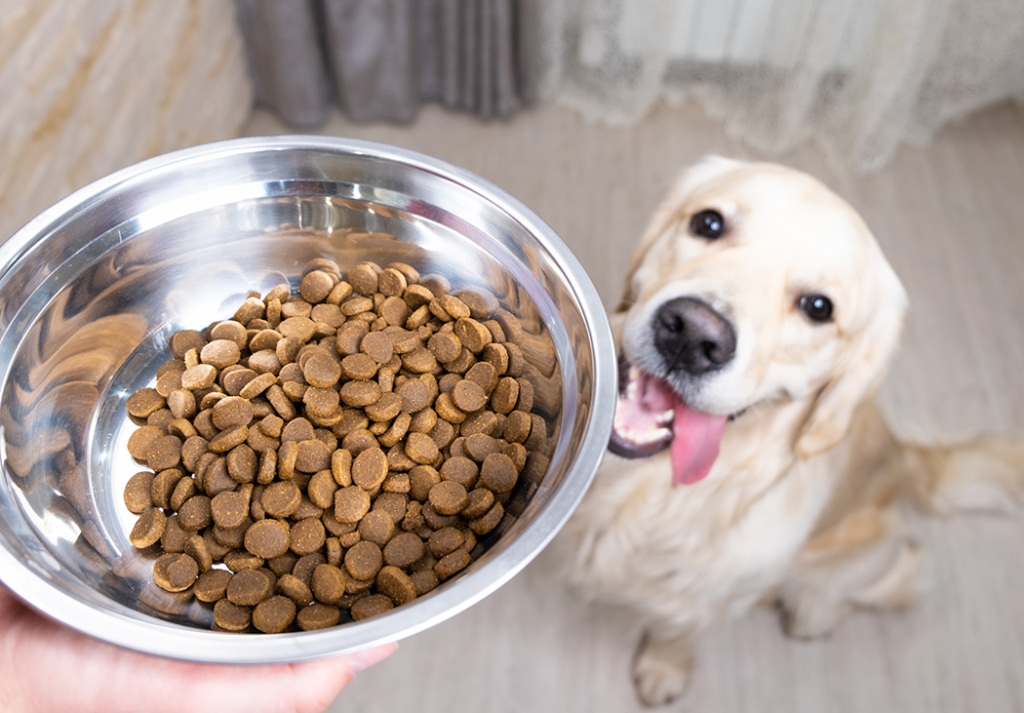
859	77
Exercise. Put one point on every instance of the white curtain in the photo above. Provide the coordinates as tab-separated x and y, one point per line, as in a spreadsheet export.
859	77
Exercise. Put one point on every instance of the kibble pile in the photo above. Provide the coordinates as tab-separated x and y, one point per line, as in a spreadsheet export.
328	455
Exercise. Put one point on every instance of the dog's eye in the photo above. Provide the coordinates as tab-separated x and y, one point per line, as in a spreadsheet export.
707	224
817	307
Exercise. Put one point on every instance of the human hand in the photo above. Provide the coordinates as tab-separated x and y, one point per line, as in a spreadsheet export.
48	667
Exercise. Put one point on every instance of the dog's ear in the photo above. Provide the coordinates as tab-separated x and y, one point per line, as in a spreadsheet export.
860	371
668	213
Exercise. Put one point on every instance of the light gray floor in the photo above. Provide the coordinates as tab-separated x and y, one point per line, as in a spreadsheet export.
951	219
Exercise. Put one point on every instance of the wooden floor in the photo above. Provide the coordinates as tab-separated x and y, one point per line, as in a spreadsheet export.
951	219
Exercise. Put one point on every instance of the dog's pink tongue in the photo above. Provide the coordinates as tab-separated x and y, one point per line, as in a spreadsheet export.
694	444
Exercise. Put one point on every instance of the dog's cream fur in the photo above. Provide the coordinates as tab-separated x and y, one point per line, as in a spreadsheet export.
807	503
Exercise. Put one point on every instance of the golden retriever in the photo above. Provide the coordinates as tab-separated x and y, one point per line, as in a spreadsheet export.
747	462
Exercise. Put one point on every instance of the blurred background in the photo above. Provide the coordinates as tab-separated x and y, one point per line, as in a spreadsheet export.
585	110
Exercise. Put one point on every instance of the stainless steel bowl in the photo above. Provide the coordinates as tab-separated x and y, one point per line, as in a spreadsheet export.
91	290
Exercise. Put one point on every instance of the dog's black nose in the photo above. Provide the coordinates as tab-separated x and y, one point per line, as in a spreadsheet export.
692	336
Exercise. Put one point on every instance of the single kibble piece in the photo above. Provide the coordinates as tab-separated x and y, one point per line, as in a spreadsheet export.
301	329
281	499
487	522
220	353
328	583
197	549
239	560
229	329
460	470
424	581
148	529
364	560
377	346
232	412
498	473
396	584
370	606
479	446
377	527
248	588
448	497
403	549
164	453
144	403
451	564
469	396
138	492
231	617
363	278
369	468
295	589
212	585
175	572
184	340
142	440
200	376
307	536
195	513
322	371
351	503
318	616
274	615
480	502
268	538
445	541
229	508
315	286
445	346
421	448
505	395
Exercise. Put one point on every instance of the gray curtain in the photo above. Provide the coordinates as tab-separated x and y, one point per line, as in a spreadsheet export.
379	60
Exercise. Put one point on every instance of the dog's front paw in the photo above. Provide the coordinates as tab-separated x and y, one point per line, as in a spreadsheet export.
662	669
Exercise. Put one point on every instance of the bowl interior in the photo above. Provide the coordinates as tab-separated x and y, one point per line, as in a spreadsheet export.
92	290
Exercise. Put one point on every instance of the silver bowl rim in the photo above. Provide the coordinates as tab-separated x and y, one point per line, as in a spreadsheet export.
152	636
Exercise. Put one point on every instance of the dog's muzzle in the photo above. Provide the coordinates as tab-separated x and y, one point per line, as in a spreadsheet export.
692	337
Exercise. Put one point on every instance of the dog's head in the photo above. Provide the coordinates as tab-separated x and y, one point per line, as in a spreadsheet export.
753	284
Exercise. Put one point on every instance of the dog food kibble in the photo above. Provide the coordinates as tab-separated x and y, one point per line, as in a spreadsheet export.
351	503
175	572
363	560
307	536
231	617
274	615
317	616
377	527
498	473
229	508
395	583
212	585
148	529
330	453
328	583
267	538
248	588
371	606
448	497
138	493
478	503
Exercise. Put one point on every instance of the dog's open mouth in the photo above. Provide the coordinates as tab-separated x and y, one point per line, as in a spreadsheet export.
650	416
